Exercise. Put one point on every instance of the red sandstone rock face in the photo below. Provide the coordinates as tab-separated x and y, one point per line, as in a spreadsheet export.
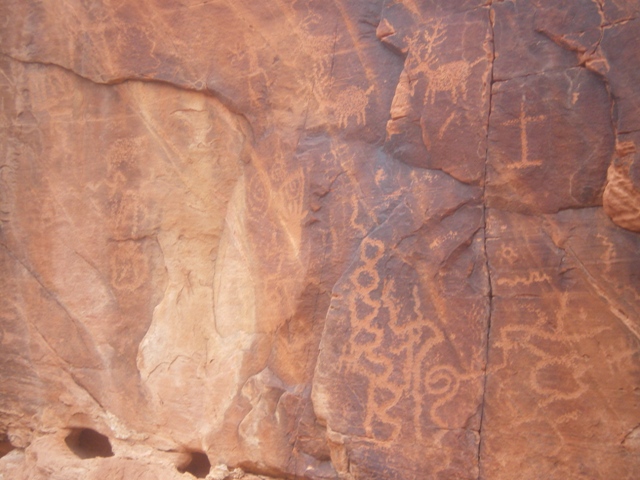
324	240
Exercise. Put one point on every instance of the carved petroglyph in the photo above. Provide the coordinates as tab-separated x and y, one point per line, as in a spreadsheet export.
445	125
126	214
318	48
392	341
283	194
291	193
351	102
291	213
531	278
128	266
451	77
257	196
558	372
522	121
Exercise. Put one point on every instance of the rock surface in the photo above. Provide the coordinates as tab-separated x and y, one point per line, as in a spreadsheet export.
372	239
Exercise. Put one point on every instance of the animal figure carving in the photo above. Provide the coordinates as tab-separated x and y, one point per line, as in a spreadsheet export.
351	102
449	77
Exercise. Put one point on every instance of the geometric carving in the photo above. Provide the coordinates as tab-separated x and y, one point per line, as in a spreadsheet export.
390	343
523	120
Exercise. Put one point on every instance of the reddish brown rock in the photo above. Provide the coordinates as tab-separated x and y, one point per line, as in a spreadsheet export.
550	142
322	240
621	198
563	354
521	48
440	110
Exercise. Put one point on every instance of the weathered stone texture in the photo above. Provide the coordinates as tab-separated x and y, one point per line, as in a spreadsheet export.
369	239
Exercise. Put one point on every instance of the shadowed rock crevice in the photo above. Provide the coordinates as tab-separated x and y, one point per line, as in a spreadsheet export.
198	465
487	265
87	443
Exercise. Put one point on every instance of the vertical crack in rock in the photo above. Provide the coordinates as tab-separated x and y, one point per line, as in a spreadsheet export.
486	256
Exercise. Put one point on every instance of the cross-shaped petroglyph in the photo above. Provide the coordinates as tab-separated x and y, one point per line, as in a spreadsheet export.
523	120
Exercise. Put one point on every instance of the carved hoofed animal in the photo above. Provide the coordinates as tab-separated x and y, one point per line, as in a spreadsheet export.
350	102
450	77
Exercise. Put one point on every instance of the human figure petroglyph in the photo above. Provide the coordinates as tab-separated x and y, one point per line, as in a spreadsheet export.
127	215
451	77
127	210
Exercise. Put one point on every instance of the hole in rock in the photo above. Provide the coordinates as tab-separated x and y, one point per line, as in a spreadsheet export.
199	465
87	443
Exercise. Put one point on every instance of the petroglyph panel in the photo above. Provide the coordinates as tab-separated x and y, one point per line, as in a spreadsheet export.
400	360
254	235
444	89
127	225
560	327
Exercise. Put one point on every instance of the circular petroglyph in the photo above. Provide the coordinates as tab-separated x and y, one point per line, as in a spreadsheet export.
441	380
